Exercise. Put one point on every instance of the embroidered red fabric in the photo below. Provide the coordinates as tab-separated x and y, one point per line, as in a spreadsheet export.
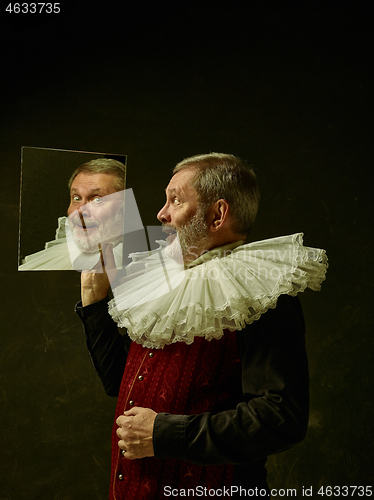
179	379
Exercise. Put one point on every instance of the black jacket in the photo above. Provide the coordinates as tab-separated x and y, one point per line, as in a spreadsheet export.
272	412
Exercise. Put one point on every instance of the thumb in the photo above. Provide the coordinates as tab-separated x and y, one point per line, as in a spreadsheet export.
132	412
107	256
107	261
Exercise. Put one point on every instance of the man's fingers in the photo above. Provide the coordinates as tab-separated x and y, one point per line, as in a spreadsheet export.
135	432
107	256
123	421
133	411
107	260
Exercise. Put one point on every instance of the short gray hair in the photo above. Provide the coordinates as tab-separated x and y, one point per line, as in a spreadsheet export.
103	166
228	177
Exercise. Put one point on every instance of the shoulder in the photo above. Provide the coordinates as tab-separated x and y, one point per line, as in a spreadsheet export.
283	323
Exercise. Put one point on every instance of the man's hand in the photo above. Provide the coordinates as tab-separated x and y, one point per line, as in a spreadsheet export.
96	282
135	432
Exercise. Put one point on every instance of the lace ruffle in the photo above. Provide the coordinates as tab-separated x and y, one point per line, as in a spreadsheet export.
163	304
63	254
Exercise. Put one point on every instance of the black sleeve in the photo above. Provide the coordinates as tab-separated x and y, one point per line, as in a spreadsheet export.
273	415
107	347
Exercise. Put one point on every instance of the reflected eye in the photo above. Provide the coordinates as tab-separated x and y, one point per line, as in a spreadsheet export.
97	200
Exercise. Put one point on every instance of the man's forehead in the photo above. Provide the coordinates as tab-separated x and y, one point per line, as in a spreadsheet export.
87	187
181	182
104	183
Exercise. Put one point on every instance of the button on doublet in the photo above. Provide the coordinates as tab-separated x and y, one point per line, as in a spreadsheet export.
140	378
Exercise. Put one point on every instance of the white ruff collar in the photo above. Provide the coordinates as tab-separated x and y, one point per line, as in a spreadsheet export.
62	253
163	302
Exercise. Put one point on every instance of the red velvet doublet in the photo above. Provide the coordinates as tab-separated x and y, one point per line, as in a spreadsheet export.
179	379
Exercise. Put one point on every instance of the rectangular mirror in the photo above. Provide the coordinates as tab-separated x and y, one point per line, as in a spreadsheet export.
45	200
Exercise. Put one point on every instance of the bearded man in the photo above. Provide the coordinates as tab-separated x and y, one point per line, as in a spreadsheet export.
95	216
212	376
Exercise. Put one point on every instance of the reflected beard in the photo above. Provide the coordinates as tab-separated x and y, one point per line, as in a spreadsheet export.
108	232
192	238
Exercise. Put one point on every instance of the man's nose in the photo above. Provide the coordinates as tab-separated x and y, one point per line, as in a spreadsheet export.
84	210
163	215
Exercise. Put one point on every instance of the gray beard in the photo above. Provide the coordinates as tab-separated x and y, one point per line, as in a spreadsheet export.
110	232
192	238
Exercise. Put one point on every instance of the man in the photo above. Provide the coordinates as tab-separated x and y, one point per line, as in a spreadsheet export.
95	216
203	402
95	211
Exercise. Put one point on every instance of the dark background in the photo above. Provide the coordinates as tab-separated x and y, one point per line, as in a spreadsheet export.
283	84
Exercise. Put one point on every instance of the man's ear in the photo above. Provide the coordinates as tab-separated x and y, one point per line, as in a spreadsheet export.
218	215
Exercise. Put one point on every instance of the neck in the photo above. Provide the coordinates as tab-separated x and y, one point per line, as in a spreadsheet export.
195	252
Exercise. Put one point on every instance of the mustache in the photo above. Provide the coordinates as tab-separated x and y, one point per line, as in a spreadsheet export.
80	220
168	229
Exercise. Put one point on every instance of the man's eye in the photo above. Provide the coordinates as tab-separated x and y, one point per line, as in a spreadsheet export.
75	198
97	200
176	201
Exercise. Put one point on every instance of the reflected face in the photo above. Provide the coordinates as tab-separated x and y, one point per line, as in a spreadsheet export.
183	213
95	211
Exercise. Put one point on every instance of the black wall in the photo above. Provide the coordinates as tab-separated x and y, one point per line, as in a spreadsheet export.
283	84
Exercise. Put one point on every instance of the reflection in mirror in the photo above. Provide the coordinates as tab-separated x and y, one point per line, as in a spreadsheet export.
90	189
